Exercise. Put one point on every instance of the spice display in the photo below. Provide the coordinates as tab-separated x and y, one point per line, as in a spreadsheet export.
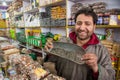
54	16
58	12
45	2
24	65
75	8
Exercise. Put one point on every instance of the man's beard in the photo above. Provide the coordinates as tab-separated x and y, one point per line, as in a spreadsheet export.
80	38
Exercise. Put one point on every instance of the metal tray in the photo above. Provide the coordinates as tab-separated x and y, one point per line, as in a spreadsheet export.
68	51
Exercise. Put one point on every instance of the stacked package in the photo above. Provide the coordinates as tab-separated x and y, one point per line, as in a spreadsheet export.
113	47
99	7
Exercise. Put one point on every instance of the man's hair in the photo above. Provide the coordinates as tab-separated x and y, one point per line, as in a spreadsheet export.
87	12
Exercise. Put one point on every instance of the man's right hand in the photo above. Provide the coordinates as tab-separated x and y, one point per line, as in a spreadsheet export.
49	45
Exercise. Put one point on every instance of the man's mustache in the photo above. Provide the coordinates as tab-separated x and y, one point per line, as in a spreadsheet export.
81	31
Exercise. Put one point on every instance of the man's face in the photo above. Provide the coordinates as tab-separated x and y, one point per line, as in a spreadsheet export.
84	27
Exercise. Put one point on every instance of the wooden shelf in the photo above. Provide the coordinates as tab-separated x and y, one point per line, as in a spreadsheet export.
35	50
20	27
12	26
22	45
42	27
108	26
19	14
74	0
70	26
28	27
52	26
3	27
32	10
60	2
102	26
33	27
26	0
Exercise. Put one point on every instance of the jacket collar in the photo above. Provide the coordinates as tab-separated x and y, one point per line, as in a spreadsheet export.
94	40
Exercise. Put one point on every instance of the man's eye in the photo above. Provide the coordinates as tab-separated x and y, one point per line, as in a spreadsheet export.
79	23
87	24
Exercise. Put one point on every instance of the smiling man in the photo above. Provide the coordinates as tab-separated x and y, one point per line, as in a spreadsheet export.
97	56
97	59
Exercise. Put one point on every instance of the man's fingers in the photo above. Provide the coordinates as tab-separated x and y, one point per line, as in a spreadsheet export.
48	46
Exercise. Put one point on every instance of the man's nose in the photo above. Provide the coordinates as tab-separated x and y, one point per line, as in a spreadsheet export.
82	27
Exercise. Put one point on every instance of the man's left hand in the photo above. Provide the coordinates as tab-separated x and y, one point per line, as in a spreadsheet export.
91	60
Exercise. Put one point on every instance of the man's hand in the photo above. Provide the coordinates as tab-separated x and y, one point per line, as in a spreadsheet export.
48	46
91	60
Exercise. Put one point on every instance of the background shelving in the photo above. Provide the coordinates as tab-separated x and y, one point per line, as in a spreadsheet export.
109	5
54	3
32	17
29	10
41	13
102	26
46	15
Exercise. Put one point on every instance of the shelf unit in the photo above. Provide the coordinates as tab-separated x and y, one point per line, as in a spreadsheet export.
59	2
101	29
102	26
27	12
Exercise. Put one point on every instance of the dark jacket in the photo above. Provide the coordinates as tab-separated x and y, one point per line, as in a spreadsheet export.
73	71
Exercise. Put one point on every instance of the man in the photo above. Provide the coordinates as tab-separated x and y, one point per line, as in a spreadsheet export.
97	57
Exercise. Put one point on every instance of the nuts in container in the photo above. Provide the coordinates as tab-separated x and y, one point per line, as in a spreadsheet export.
53	77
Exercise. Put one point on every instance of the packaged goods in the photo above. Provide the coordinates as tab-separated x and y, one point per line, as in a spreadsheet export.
75	8
58	12
114	61
53	77
2	33
3	44
118	22
8	47
11	51
113	20
50	67
113	47
25	66
99	3
100	19
106	18
109	45
3	39
109	34
40	73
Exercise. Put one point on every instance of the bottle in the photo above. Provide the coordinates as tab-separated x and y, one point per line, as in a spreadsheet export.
100	19
106	18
